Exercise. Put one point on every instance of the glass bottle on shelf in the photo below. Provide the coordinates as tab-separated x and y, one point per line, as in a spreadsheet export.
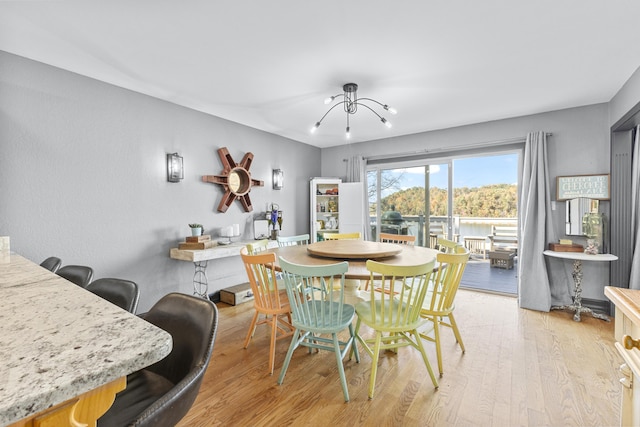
593	224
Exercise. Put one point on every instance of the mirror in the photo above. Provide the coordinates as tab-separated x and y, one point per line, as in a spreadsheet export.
239	181
576	208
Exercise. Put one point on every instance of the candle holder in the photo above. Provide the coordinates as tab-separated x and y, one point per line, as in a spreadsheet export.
230	232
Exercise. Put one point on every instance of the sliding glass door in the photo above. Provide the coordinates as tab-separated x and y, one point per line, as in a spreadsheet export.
459	198
411	199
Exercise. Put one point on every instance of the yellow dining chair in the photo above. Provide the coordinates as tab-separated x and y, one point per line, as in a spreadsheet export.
339	236
394	316
352	284
401	239
447	246
257	246
302	239
318	308
440	302
269	300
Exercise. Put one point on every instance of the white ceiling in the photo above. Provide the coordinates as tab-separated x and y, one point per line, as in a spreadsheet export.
270	64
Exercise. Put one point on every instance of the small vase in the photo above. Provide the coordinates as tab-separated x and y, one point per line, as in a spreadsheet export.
196	231
274	234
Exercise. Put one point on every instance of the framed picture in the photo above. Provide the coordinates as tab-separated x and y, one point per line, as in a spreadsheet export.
591	186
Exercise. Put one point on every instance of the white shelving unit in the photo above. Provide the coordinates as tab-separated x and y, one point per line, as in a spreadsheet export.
336	207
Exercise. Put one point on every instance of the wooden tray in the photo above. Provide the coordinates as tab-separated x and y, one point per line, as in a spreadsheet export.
565	248
353	249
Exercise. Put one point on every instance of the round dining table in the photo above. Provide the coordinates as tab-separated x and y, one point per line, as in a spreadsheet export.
356	253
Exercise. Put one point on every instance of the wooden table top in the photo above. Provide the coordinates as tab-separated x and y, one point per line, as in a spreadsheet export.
353	249
409	255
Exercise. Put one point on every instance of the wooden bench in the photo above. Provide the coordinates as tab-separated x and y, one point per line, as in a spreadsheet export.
504	238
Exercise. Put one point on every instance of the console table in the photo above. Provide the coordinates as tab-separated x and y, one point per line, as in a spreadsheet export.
577	258
201	257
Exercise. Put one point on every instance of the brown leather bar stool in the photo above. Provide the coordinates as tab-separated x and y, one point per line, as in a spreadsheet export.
162	394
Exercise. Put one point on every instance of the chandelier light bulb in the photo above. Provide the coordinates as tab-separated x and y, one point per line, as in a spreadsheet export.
329	100
348	132
390	109
386	122
316	126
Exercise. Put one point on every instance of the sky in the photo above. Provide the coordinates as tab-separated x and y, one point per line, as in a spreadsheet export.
468	172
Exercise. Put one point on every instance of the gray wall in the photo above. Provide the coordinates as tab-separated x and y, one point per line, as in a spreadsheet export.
626	98
579	145
83	177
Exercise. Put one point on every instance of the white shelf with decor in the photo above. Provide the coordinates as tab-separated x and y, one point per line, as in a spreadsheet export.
336	207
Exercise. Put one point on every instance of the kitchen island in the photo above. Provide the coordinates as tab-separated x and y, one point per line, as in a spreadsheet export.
65	352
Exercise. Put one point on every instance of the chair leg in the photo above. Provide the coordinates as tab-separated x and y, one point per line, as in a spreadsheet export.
354	345
294	344
272	347
436	334
358	338
456	332
343	380
374	364
418	341
252	329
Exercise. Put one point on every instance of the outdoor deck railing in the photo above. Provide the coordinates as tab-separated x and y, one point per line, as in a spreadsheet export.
462	226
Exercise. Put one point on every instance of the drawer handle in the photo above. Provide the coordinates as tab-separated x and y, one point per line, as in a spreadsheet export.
629	343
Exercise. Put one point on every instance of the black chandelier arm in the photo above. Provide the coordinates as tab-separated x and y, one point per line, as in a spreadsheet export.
385	106
329	110
370	109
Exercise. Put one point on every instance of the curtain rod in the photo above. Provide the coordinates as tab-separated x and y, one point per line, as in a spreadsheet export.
457	148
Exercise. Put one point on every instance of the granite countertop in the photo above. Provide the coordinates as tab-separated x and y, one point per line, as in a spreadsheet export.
58	341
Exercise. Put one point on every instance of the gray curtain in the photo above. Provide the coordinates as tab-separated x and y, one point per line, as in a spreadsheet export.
536	229
357	172
634	279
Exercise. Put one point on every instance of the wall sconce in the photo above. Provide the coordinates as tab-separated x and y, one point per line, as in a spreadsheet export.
175	170
278	179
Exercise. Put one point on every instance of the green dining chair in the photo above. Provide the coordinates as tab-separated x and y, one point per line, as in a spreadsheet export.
317	309
394	316
302	239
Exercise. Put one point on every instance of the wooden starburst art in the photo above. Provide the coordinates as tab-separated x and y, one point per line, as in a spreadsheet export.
235	180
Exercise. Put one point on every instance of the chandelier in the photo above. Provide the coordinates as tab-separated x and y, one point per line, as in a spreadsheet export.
351	102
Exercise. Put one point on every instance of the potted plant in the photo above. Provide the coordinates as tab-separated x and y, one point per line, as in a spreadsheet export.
196	229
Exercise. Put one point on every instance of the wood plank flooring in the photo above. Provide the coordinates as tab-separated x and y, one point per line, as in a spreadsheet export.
521	368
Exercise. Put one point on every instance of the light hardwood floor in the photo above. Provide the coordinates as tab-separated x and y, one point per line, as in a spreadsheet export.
521	368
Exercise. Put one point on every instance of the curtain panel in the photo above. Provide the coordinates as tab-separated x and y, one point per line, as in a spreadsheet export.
357	172
536	230
634	279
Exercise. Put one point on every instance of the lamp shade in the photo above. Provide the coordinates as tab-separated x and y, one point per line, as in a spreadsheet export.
175	170
278	179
